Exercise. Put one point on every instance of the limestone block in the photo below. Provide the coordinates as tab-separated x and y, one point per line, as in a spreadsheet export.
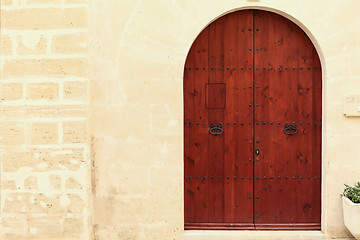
6	44
12	133
38	91
72	183
8	184
44	18
16	112
75	1
75	90
74	132
72	227
11	91
45	67
43	159
43	133
31	183
44	227
73	203
69	43
30	203
6	228
31	43
55	182
29	2
6	2
48	202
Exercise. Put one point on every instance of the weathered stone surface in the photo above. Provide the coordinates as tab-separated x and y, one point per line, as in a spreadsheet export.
45	187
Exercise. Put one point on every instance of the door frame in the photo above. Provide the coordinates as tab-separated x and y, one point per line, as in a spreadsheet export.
323	76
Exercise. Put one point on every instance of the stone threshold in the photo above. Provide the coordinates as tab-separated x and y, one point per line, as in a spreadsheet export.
257	235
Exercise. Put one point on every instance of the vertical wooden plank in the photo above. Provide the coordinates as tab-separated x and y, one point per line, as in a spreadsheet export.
200	135
216	142
195	135
242	112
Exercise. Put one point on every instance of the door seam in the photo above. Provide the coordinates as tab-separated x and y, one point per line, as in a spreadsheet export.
253	106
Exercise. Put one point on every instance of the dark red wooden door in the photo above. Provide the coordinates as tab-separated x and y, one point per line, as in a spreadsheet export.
252	148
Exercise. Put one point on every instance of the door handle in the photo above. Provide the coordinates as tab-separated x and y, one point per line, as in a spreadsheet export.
216	129
290	129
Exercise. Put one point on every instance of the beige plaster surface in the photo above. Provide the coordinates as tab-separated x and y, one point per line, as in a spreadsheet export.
137	54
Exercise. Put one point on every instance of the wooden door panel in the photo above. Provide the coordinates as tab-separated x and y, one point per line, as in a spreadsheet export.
194	145
218	73
285	193
288	80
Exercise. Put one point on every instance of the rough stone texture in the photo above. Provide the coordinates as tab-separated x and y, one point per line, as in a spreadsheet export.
44	153
74	132
69	43
43	18
6	2
38	91
136	66
6	45
11	91
44	67
75	90
31	43
43	2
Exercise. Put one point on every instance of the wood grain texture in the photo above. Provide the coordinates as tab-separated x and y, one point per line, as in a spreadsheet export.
289	78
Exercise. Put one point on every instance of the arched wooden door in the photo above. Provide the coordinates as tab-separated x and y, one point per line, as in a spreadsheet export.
252	130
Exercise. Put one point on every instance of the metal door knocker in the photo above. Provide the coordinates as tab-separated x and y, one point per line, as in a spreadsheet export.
216	129
290	129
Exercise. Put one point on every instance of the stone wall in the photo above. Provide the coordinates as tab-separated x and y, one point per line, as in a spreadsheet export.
44	153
